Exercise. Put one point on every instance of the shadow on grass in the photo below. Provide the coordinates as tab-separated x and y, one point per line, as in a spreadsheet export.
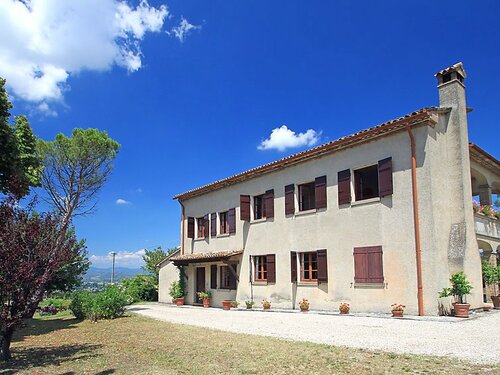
35	327
31	358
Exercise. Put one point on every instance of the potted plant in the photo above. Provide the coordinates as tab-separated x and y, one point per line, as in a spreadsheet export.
249	304
344	308
177	293
266	305
304	305
226	304
398	310
460	287
205	296
235	304
491	277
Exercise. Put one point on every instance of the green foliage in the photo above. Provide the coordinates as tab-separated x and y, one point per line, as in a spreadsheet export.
141	288
60	304
152	258
75	169
176	290
108	304
205	294
460	287
491	277
20	165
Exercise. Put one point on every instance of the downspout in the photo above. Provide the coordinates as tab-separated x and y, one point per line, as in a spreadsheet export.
182	227
418	250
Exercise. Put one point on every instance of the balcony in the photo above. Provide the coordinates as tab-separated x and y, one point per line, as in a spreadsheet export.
486	226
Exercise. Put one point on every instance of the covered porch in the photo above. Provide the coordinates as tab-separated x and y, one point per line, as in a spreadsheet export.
213	272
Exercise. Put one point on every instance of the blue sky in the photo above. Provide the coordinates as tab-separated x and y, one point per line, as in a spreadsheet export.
197	109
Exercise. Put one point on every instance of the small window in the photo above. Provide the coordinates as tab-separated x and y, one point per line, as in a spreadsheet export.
260	268
224	226
366	183
202	231
308	266
227	278
307	196
259	208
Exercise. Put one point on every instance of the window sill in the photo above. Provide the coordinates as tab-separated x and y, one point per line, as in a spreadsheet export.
199	239
369	285
259	283
307	212
223	235
307	283
365	201
263	220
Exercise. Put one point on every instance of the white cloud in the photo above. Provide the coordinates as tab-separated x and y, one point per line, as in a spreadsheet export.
47	41
131	259
282	138
183	29
121	201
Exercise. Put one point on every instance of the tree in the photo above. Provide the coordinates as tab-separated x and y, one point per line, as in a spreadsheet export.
20	165
152	258
33	248
141	288
75	170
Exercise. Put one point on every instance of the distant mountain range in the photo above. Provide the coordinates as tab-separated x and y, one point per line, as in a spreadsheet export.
96	274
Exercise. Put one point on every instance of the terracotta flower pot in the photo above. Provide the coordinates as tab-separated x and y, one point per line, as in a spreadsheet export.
486	307
344	312
266	307
226	305
397	313
179	301
461	310
304	309
496	302
206	302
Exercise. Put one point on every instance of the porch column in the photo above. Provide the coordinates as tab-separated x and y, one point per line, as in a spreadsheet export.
485	195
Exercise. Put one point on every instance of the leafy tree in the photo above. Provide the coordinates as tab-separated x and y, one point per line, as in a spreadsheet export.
19	163
33	247
152	258
75	170
141	288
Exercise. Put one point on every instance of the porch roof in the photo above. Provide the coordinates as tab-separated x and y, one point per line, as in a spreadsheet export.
204	257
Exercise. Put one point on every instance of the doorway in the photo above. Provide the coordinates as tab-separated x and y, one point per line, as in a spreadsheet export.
200	283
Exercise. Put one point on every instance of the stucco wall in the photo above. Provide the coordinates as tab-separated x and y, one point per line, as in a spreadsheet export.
168	274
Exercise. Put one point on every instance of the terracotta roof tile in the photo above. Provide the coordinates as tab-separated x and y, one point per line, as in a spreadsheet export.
205	256
418	117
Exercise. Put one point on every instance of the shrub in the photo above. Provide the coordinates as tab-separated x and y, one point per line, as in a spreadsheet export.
48	310
460	287
175	290
61	304
141	288
108	304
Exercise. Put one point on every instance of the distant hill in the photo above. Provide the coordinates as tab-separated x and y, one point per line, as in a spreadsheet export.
97	274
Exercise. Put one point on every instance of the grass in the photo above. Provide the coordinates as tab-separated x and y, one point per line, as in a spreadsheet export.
133	344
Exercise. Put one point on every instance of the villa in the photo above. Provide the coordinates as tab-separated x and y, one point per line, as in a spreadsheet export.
378	217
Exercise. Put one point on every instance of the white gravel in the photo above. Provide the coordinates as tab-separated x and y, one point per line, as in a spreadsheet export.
476	340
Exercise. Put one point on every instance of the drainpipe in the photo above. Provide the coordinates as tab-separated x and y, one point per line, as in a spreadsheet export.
182	227
416	224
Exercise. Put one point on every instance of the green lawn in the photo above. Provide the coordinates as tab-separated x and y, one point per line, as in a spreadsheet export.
138	345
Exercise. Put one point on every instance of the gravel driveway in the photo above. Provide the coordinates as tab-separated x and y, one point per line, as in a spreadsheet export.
433	336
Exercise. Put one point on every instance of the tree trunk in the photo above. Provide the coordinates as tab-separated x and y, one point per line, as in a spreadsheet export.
5	344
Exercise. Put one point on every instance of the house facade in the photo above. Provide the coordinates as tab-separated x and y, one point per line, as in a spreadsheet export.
378	217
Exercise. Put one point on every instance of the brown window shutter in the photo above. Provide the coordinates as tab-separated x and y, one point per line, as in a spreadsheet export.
213	276
206	226
320	193
385	177
213	224
245	207
290	199
322	266
293	265
375	264
231	220
269	204
360	265
232	278
271	268
190	227
344	186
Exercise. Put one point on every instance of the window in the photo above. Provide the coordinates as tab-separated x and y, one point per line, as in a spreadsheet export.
307	196
260	268
202	231
309	266
259	207
227	278
366	183
224	227
368	265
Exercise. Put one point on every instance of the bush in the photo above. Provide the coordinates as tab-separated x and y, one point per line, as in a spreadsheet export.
48	310
108	304
60	304
175	290
141	288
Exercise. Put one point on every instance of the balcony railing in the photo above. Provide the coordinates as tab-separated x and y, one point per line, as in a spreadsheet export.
487	226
